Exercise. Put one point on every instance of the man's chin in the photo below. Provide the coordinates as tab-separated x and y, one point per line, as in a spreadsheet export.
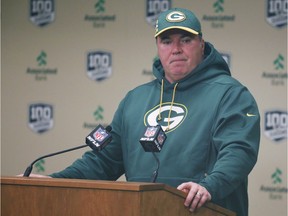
178	76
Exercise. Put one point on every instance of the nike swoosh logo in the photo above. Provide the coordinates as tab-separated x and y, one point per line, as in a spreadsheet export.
250	115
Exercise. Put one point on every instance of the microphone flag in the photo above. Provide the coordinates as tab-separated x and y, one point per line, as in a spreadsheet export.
153	139
99	138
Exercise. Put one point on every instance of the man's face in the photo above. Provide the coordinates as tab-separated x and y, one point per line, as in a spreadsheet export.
179	52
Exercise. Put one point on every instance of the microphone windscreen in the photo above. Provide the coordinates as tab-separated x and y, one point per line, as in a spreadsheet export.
153	139
99	137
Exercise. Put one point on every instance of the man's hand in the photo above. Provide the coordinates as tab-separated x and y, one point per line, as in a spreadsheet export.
35	176
196	195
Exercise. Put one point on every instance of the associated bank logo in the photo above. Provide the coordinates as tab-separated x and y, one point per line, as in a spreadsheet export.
154	8
168	124
277	188
99	65
219	17
40	117
98	116
276	12
276	125
40	166
100	17
276	177
279	76
218	6
41	71
42	59
42	12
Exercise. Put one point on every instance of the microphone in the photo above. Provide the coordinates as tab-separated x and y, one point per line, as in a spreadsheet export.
99	137
96	140
152	141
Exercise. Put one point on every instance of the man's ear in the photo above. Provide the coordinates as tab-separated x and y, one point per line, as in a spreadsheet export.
202	43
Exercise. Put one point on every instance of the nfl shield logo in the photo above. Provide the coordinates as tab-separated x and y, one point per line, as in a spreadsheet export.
154	8
42	12
276	13
161	138
150	131
99	135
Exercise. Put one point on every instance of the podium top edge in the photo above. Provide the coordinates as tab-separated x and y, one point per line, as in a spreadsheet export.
81	183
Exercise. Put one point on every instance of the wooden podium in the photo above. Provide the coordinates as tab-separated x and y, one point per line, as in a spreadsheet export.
21	196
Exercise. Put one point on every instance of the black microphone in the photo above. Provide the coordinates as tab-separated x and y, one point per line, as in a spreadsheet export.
96	140
152	141
99	137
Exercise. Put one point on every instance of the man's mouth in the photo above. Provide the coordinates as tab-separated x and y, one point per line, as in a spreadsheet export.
177	60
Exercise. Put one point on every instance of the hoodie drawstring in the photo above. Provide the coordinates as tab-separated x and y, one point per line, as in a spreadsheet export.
161	98
161	103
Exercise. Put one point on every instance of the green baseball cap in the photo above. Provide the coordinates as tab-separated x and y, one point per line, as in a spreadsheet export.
178	18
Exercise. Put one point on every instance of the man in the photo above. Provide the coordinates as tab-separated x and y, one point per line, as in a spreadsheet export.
210	119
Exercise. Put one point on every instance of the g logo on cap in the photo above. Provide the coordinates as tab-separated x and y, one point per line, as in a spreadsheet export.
175	16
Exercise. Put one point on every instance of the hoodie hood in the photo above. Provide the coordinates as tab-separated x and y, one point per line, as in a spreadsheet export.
211	67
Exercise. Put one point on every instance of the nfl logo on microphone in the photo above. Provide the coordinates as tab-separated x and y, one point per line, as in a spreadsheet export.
153	139
98	138
99	135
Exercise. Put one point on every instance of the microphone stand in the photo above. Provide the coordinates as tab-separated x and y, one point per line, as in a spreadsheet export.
91	141
29	168
155	173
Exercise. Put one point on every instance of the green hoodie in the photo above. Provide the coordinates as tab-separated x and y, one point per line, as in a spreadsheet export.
212	125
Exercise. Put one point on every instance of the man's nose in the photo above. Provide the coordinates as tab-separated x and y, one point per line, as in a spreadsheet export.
177	49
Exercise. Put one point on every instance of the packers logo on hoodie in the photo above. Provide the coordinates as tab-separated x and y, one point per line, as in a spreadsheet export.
168	115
